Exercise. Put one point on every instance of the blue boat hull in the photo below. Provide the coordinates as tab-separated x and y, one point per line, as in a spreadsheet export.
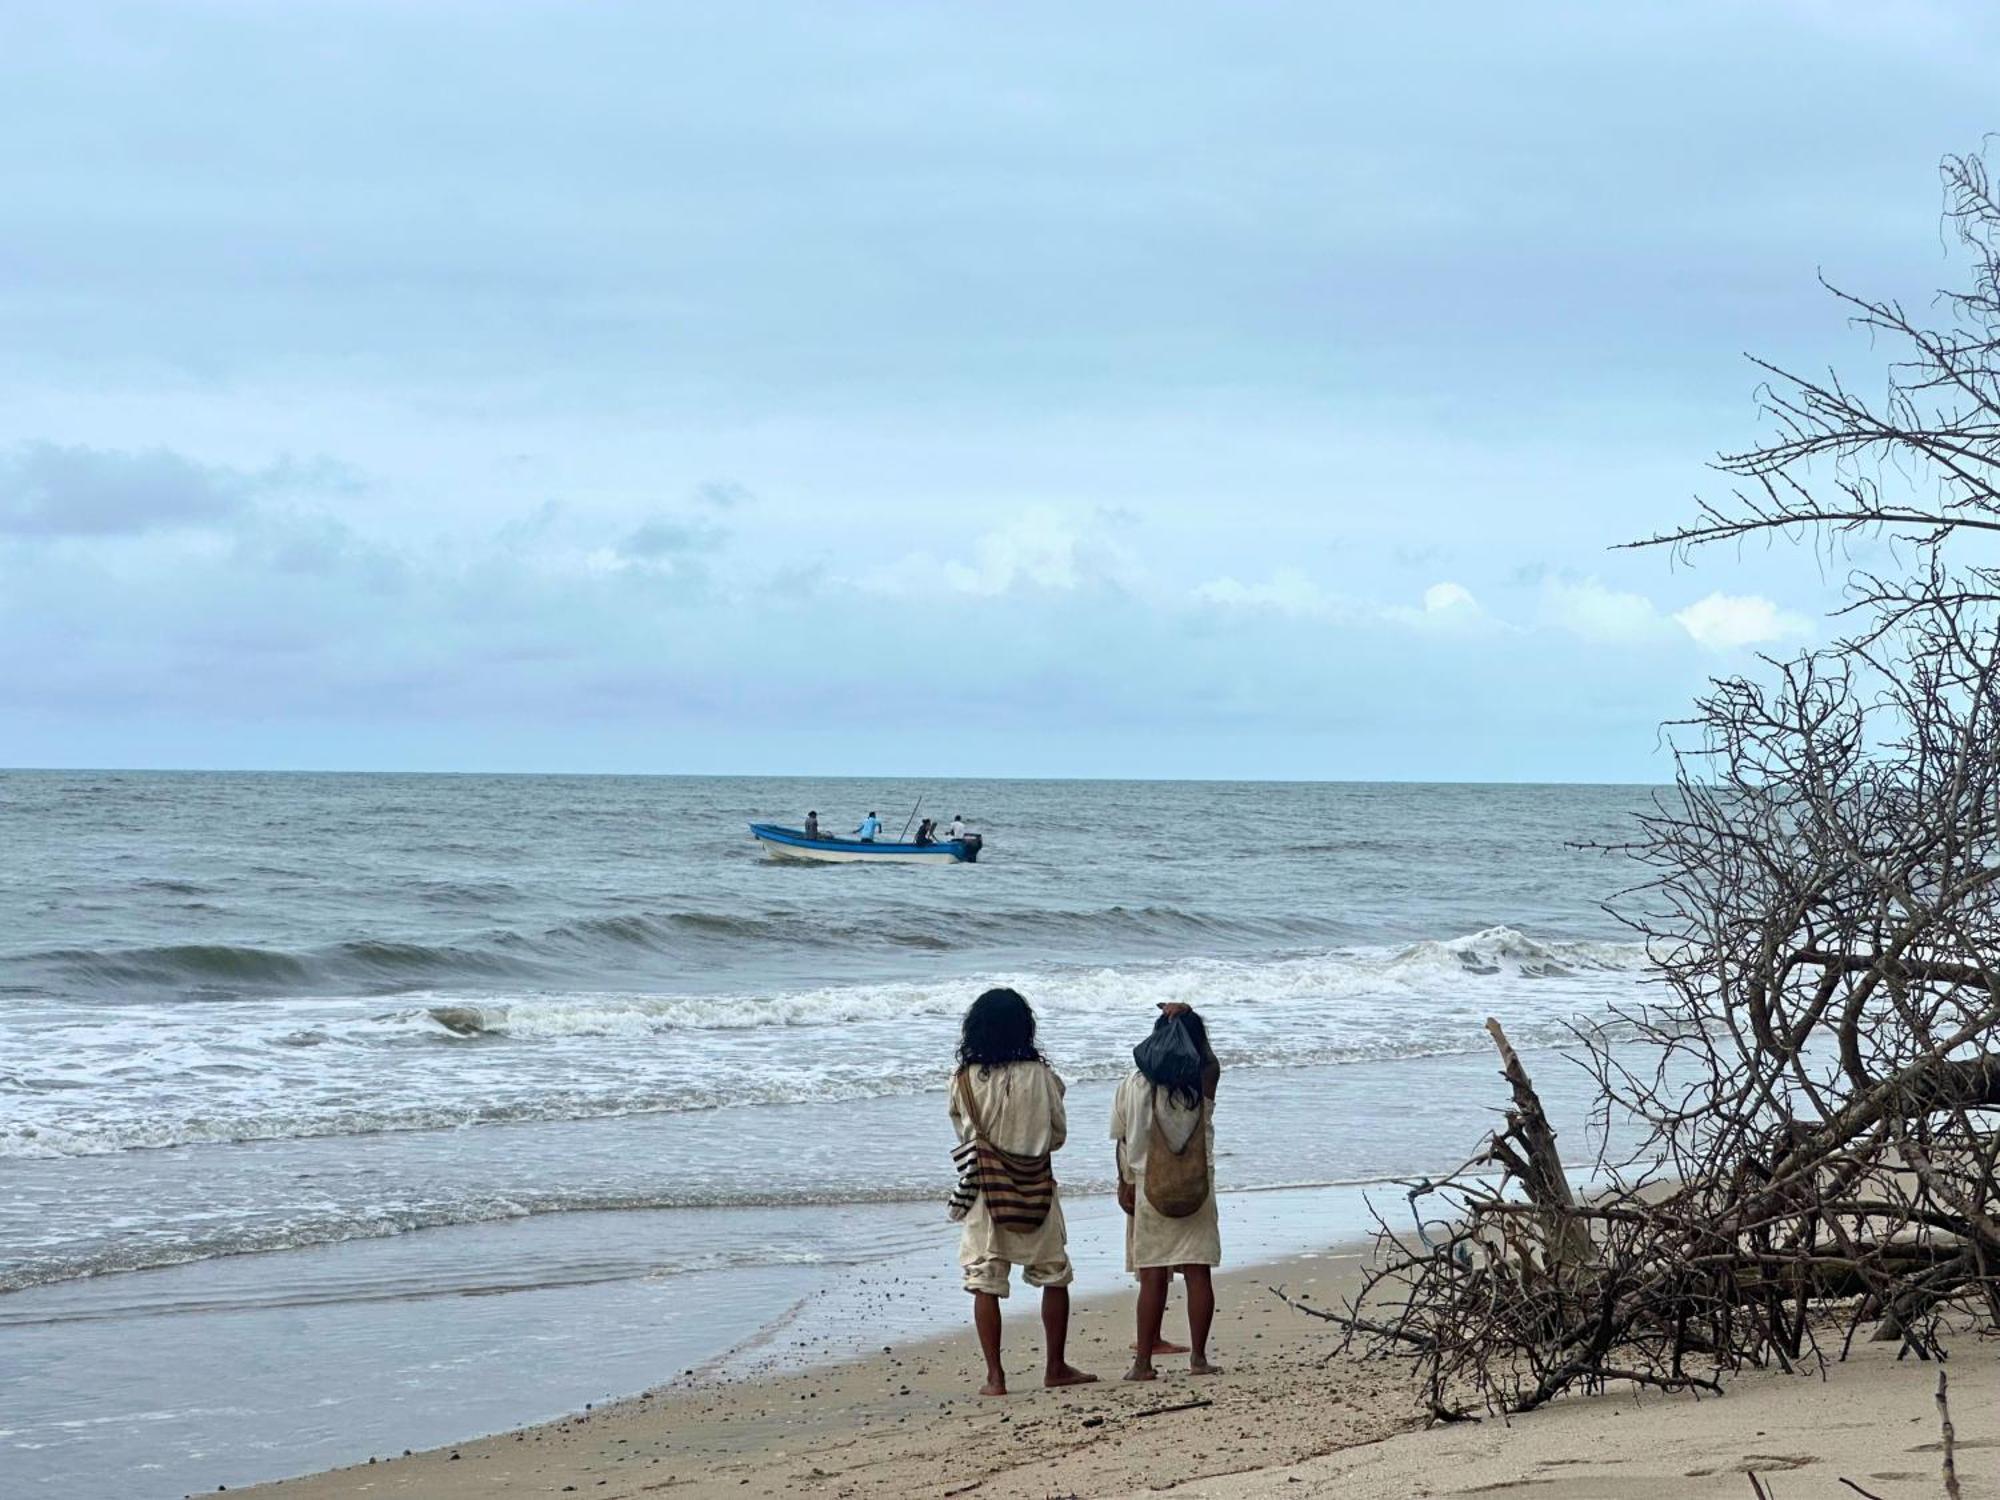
792	843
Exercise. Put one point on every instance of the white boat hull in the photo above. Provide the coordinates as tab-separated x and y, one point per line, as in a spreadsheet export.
792	843
854	857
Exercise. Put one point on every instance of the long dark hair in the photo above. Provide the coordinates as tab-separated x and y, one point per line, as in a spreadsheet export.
999	1029
1182	1075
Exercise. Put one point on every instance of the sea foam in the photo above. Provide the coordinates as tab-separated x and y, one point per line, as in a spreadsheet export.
116	1078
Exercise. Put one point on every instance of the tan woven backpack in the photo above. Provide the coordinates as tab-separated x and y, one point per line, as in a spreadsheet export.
1176	1181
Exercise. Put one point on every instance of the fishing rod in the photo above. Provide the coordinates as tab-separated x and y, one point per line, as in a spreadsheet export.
911	819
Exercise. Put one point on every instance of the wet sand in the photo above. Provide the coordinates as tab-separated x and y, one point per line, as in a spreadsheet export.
1284	1419
905	1420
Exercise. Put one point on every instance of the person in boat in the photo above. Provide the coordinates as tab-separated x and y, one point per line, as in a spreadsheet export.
1163	1121
812	825
870	826
1007	1108
927	831
957	829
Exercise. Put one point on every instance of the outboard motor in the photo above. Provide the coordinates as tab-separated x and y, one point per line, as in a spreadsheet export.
972	843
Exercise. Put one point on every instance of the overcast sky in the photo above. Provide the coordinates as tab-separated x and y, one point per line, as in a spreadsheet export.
1224	390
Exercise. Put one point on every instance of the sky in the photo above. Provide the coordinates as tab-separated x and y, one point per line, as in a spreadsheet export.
920	389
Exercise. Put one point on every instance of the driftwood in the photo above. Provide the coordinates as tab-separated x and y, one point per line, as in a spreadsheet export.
1813	1084
1161	1411
1527	1150
1948	1438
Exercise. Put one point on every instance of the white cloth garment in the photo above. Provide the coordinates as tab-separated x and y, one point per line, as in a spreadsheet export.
1151	1238
1021	1106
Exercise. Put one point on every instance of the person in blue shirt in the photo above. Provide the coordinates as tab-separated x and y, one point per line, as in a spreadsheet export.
870	826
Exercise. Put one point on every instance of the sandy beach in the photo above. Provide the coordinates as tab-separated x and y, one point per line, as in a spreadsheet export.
906	1420
1283	1419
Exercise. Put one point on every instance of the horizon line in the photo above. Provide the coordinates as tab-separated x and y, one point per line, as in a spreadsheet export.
810	776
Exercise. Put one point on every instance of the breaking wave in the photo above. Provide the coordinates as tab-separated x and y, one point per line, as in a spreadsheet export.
630	945
1497	952
242	1070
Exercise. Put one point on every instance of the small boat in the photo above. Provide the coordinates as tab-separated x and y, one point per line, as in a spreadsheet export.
792	843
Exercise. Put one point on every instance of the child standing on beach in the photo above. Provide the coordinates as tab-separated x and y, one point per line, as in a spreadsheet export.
1163	1122
1007	1106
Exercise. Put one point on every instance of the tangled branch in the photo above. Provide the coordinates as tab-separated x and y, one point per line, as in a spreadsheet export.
1816	1084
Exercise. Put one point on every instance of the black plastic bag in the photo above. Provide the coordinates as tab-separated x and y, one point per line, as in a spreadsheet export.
1170	1058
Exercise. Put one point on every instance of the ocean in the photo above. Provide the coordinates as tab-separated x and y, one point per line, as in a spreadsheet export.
296	1069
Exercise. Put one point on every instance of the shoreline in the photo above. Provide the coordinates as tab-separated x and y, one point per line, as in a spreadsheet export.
1282	1420
321	1356
909	1418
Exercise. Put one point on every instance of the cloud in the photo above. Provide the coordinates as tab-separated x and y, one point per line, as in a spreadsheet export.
1449	599
1043	549
297	545
1038	547
1592	611
296	638
722	494
663	549
663	537
1727	622
1595	612
1288	592
1446	606
48	489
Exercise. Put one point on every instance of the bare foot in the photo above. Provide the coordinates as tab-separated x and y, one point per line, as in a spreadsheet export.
1142	1372
1203	1367
994	1387
1164	1346
1067	1375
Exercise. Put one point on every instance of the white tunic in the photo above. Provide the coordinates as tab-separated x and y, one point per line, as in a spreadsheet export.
1151	1238
1021	1107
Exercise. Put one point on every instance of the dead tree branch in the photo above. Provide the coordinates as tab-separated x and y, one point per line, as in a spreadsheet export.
1815	1080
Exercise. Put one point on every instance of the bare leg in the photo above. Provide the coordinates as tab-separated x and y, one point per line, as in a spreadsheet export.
1153	1283
1055	1332
1163	1344
986	1318
1201	1317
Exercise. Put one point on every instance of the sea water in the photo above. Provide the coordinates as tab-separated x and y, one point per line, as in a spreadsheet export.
328	1089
